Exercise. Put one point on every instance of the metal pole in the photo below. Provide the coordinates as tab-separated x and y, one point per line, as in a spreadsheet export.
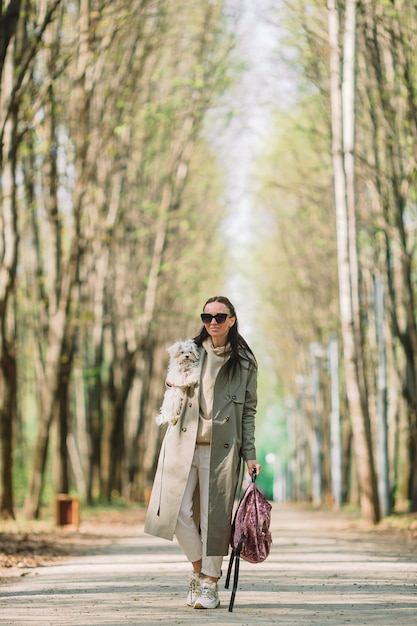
382	422
316	441
301	439
335	424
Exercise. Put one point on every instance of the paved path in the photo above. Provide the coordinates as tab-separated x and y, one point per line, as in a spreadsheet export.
321	571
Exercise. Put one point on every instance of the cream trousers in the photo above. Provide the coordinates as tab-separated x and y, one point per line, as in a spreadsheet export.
192	543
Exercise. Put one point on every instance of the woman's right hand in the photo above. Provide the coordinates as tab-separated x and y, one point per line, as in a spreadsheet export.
253	465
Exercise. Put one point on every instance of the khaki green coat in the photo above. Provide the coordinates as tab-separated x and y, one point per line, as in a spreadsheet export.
233	439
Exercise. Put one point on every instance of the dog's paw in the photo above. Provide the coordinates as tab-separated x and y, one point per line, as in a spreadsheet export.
160	419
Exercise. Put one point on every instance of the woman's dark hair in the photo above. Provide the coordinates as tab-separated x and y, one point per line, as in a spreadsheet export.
234	338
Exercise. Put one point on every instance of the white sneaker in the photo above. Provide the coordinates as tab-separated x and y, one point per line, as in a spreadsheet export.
193	589
209	597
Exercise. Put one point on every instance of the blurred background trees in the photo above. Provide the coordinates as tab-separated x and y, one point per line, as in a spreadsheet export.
339	202
103	260
112	236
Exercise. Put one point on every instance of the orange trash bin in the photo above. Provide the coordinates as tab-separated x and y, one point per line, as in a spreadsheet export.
67	510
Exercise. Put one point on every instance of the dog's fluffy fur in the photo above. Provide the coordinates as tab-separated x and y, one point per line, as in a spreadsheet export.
183	370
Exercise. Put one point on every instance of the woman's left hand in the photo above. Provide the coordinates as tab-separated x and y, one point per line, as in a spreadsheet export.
253	465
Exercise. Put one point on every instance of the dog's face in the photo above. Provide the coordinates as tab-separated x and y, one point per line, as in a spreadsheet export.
184	351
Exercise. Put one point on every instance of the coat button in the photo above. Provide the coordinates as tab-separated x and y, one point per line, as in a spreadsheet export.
184	430
226	445
190	405
233	397
227	418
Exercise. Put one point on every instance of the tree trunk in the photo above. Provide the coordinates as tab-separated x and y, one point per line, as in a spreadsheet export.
389	40
8	252
117	443
342	149
63	412
8	372
51	385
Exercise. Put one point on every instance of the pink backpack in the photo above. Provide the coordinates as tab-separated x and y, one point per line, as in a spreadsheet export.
250	537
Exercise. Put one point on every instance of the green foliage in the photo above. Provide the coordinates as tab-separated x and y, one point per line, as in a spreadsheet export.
119	97
297	258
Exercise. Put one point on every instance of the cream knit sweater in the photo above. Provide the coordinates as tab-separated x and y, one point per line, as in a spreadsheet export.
215	358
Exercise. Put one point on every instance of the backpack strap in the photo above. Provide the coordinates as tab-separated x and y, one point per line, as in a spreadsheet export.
235	556
229	570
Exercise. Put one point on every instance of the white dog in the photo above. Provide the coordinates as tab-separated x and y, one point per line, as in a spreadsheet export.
183	372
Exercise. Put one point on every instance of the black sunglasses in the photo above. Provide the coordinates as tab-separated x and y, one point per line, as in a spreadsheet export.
219	317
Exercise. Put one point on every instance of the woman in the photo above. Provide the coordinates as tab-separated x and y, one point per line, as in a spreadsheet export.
199	462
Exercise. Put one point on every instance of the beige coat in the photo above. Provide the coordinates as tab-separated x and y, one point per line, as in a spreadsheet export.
233	439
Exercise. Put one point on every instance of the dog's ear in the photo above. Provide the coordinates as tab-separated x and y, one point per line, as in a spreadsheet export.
174	349
193	348
190	345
